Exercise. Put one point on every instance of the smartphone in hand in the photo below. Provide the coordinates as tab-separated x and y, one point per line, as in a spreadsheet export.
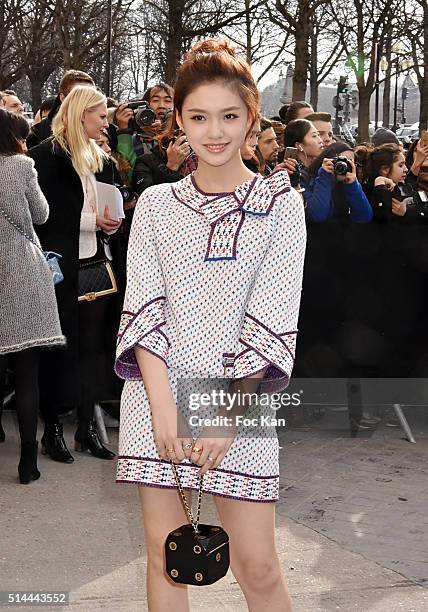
291	153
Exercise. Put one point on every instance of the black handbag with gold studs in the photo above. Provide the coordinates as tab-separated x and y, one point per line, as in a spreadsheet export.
195	553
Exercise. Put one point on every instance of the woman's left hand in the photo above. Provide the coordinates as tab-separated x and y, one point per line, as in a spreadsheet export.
106	223
351	176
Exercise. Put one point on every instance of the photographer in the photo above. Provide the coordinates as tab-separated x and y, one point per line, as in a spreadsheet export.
165	163
139	122
332	187
336	205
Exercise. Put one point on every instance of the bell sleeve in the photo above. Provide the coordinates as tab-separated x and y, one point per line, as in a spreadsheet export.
269	330
142	321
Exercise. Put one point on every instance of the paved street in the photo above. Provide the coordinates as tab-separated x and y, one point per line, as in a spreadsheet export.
351	522
368	495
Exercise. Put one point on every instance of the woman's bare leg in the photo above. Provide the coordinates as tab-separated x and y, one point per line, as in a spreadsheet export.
253	556
162	513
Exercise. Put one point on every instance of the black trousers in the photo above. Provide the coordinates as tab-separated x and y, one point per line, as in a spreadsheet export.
25	365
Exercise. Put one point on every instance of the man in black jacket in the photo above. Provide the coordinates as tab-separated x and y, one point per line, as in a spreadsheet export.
41	131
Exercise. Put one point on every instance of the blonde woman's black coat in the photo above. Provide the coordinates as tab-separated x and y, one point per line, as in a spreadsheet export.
63	190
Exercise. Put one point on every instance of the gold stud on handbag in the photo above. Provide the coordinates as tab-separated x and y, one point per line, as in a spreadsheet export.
191	560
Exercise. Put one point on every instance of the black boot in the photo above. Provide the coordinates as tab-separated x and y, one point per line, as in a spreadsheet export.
53	444
86	438
27	468
2	434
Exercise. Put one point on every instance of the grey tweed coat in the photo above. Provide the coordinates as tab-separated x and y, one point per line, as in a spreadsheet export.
28	309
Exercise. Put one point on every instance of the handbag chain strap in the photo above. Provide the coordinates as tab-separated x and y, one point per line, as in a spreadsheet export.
192	521
20	230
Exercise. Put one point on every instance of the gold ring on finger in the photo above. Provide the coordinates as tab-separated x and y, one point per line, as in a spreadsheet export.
170	450
197	450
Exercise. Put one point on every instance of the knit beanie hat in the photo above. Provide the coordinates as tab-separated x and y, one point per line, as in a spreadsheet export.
384	136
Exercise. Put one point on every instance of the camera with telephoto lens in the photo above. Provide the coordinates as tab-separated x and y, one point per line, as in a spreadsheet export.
143	115
341	165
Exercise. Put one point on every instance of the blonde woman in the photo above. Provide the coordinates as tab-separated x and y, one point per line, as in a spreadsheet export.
66	164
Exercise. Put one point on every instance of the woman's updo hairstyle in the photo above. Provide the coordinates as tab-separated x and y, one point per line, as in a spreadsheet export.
213	60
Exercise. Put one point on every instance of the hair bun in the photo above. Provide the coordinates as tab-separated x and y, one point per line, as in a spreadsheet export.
215	60
209	46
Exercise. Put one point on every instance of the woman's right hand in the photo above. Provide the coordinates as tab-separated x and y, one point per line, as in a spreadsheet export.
288	164
166	420
328	165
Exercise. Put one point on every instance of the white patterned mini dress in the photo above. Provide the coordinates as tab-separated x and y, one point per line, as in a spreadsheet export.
214	284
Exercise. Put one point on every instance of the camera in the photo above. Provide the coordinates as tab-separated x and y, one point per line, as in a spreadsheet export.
176	134
341	165
143	115
127	194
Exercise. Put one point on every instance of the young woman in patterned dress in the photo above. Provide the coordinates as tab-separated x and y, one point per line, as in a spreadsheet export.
215	267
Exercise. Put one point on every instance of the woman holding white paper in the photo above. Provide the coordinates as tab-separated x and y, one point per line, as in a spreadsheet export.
67	165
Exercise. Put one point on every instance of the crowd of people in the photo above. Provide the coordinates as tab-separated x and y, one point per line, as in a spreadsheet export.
364	300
